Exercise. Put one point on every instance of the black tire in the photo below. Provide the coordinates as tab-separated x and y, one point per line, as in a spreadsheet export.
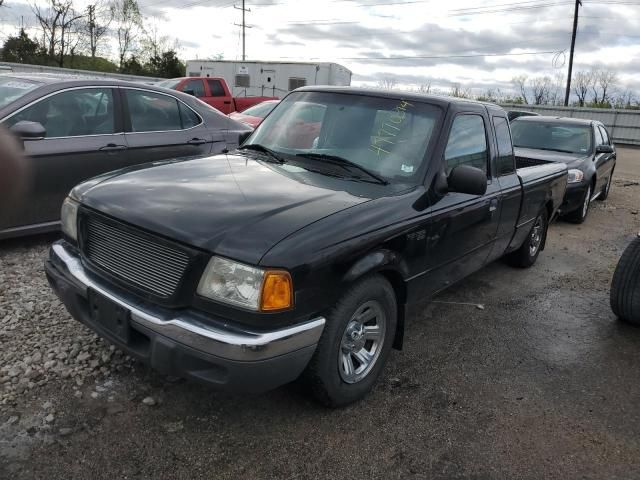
625	286
580	215
528	252
607	188
323	376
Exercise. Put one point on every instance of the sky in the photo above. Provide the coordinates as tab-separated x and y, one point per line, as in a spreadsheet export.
479	45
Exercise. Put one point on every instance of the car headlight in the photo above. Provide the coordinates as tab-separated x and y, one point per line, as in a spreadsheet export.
245	286
69	218
575	176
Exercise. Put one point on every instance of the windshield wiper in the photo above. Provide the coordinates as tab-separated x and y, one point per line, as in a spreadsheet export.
343	162
261	148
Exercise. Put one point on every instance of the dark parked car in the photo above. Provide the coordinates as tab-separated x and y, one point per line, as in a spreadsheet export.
513	114
75	129
583	145
286	259
625	286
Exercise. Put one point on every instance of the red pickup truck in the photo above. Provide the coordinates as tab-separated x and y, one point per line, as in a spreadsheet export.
213	91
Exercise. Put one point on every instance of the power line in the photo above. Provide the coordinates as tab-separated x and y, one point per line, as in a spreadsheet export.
430	57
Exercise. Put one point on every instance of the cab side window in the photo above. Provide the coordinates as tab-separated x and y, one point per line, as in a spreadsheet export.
74	113
195	87
467	144
217	90
505	163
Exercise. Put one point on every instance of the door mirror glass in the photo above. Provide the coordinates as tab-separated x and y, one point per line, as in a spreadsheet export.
604	149
26	130
467	179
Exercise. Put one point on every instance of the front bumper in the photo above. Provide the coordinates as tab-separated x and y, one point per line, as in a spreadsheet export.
187	343
573	197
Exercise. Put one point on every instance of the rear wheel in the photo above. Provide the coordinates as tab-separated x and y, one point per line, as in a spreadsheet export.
355	344
528	252
625	286
580	215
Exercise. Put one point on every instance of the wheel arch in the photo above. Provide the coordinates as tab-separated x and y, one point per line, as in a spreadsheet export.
394	269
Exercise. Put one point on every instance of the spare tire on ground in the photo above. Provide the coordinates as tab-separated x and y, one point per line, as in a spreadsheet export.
625	287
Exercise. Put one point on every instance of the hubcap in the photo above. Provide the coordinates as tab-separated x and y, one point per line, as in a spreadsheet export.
587	199
536	237
362	342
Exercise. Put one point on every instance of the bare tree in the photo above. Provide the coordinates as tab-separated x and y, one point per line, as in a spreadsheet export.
126	14
424	88
458	91
520	82
582	82
153	44
387	83
59	24
541	88
604	82
96	26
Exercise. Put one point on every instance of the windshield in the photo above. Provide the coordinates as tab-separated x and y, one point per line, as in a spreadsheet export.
387	137
13	88
170	84
552	136
260	110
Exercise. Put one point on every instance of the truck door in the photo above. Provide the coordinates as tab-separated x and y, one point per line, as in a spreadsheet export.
464	226
510	188
218	98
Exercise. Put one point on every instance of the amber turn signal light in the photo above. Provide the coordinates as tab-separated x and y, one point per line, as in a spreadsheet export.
277	291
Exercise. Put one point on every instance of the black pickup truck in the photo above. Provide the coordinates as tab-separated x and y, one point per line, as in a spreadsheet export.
298	254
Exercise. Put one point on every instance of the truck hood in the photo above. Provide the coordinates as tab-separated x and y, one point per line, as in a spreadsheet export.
230	205
570	159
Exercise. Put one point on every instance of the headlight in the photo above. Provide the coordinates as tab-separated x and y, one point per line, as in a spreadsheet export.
69	218
245	286
575	176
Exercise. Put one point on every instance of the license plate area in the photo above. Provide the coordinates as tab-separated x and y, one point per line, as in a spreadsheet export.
109	315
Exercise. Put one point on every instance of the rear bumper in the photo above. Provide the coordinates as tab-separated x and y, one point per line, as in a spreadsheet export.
187	343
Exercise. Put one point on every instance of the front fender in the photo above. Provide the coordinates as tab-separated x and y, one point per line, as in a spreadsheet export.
376	261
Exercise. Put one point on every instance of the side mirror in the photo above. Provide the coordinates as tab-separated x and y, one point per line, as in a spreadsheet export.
466	179
243	136
29	130
604	149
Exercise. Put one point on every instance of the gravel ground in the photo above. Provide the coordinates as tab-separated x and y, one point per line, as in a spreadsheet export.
542	382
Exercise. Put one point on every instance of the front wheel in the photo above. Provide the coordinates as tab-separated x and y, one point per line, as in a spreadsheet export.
528	252
580	215
355	343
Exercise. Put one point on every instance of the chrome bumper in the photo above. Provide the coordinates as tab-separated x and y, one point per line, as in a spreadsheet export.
188	329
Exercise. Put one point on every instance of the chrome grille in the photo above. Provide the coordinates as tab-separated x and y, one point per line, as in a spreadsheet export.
134	258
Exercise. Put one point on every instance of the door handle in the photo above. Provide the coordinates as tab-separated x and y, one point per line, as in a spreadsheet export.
493	205
112	147
197	141
227	102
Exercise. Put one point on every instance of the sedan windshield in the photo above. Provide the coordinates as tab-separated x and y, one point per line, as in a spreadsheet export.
12	88
377	139
552	136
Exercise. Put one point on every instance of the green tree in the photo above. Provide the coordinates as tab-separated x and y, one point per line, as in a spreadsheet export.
21	49
132	66
166	65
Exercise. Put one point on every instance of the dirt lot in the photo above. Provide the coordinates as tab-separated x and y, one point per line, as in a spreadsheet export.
541	383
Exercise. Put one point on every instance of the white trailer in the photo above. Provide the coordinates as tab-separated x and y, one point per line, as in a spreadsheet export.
257	78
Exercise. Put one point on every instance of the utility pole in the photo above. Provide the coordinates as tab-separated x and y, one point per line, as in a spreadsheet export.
244	26
573	44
